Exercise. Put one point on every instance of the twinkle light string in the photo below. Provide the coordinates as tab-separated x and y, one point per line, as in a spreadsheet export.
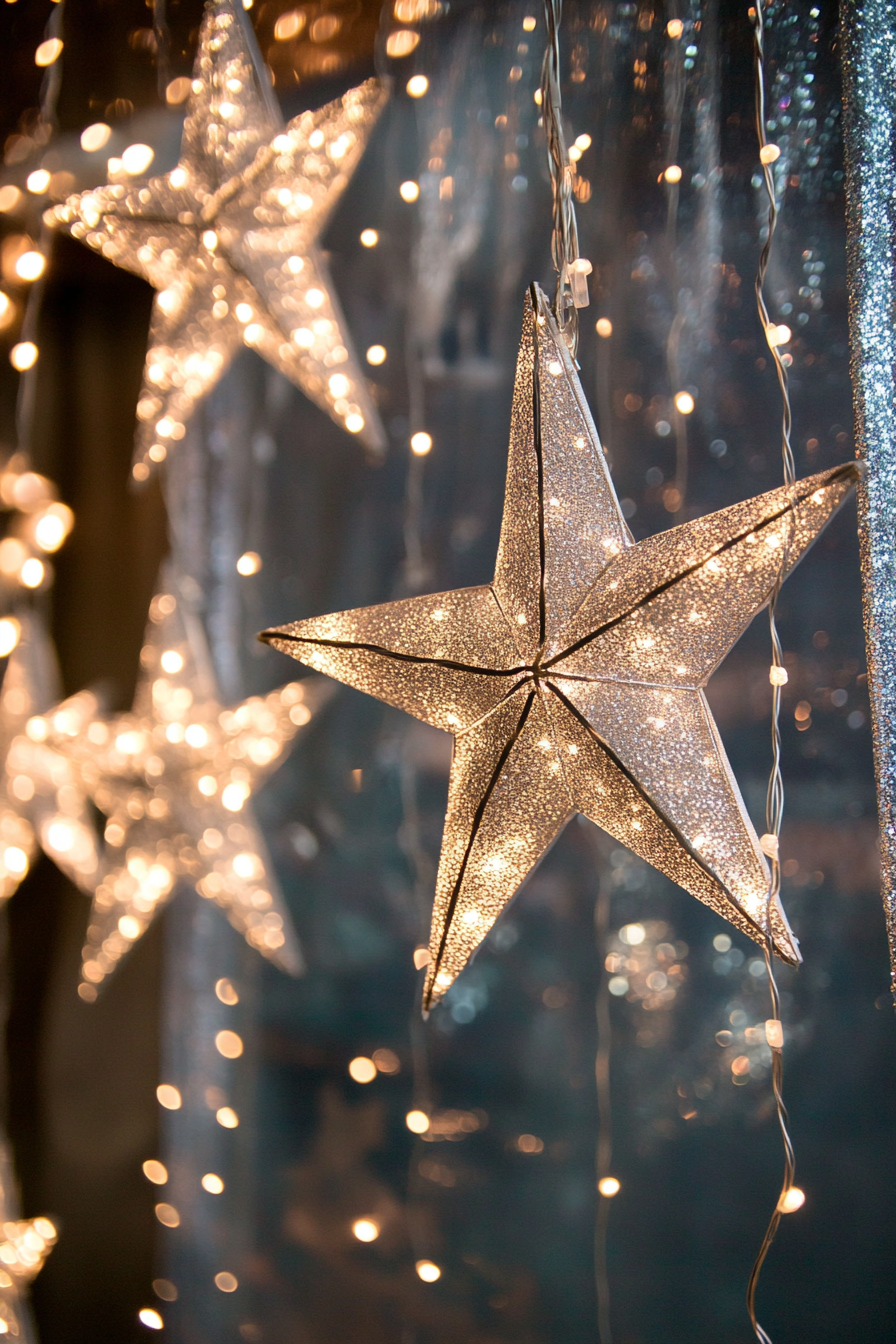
604	1149
768	154
572	270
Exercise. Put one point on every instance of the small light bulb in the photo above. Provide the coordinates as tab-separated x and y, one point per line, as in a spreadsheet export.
609	1186
31	575
150	1318
417	1122
674	28
604	327
672	173
38	182
529	23
10	632
409	191
369	237
791	1200
417	86
769	154
427	1271
365	1229
376	354
23	356
212	1183
684	403
421	443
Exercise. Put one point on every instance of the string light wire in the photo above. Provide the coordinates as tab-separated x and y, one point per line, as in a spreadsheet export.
604	1149
774	808
572	270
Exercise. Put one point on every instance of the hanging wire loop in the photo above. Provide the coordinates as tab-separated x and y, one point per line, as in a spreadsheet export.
774	809
572	270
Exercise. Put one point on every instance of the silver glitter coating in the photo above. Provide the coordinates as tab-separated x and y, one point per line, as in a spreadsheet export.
574	683
868	33
229	239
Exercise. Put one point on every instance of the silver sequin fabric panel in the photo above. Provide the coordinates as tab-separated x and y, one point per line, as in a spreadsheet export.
868	34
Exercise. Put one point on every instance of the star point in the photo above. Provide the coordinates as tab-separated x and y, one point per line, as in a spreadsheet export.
574	682
229	239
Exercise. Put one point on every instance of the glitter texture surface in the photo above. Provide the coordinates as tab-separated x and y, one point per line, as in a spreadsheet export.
574	683
174	778
42	800
868	32
229	239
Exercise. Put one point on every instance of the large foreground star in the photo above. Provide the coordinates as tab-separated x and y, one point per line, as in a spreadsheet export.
574	682
175	779
229	240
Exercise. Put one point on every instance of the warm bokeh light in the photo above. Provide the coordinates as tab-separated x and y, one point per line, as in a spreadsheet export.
376	354
684	403
792	1199
290	25
362	1069
212	1183
10	632
48	51
228	1283
177	91
225	992
172	661
169	1097
417	1122
38	182
402	42
417	86
32	573
167	1215
10	197
250	562
604	327
229	1044
583	141
386	1061
672	174
609	1186
769	154
137	158
529	23
151	1319
674	28
369	237
778	675
227	1116
30	265
633	934
95	137
365	1229
409	191
421	443
427	1271
155	1171
52	526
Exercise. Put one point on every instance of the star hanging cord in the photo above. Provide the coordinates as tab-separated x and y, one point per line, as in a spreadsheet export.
175	779
574	682
230	240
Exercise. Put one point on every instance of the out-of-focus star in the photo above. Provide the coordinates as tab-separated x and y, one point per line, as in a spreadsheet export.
229	239
42	800
174	779
574	682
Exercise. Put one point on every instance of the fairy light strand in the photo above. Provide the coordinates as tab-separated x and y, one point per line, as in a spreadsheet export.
777	676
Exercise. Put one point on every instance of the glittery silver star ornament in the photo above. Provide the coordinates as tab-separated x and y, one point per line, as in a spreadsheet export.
229	239
174	778
574	682
25	1244
42	801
